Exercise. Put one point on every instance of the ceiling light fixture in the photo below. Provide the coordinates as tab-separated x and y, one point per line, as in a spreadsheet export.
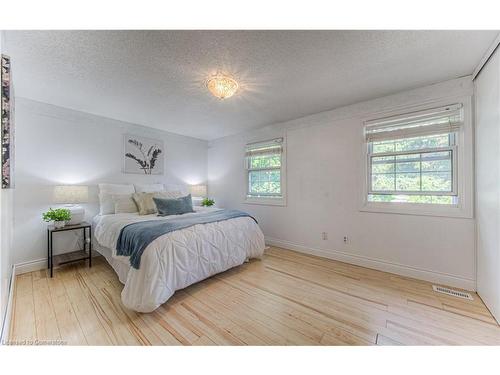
222	86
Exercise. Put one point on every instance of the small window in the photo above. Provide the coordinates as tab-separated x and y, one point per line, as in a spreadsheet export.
264	165
413	158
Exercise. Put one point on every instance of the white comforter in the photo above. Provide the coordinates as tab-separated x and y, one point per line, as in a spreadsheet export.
180	258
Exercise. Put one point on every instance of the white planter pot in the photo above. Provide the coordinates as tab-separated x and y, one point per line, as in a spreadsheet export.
59	224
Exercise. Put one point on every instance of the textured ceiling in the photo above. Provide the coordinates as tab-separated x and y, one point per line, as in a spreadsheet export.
155	78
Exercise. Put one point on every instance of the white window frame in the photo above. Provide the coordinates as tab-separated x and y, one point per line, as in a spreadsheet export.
453	149
263	199
462	152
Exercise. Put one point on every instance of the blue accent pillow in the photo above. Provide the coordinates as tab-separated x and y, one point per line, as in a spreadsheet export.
177	206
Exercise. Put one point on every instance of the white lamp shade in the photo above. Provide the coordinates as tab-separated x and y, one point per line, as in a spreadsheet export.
198	190
71	194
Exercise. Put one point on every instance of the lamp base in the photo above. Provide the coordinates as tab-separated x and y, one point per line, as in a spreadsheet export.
197	201
77	214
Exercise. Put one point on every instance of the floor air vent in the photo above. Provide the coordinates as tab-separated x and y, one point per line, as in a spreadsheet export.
451	292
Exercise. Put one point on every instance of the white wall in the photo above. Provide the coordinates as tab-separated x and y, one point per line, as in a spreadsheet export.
324	164
487	91
56	145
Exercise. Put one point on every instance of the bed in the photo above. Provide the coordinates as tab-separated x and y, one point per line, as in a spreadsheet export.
176	259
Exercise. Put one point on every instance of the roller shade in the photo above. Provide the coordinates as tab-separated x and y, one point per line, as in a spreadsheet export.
271	147
433	121
268	148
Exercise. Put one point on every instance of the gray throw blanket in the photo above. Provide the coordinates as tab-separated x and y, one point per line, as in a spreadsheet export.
135	237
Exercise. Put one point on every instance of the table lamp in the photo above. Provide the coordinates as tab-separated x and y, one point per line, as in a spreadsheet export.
198	192
70	196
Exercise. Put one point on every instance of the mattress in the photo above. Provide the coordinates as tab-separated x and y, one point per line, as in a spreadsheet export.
177	259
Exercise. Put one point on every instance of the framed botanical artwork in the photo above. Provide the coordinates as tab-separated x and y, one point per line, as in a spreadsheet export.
142	155
7	124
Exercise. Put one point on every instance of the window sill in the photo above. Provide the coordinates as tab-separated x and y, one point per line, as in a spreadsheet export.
266	201
419	209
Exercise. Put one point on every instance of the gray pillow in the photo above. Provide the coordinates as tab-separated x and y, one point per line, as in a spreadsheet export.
177	206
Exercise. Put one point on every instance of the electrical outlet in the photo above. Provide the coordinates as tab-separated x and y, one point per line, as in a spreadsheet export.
346	239
324	236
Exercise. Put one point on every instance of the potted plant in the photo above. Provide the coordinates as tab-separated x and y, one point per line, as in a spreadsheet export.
59	216
207	202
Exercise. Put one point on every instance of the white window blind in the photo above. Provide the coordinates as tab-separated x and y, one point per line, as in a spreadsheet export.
263	162
441	120
268	148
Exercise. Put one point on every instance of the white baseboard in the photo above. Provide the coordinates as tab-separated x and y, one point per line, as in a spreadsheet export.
5	329
39	264
381	265
34	265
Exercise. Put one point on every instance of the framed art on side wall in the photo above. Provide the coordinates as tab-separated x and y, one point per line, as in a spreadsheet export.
142	155
7	124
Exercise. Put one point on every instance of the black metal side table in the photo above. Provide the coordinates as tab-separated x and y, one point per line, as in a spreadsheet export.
73	256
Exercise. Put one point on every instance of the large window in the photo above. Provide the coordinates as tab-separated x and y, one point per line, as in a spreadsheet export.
413	158
264	165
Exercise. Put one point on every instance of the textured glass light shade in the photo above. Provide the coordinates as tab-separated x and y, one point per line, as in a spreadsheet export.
222	86
198	190
71	194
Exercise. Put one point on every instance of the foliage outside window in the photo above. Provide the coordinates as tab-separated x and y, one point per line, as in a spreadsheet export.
413	159
264	169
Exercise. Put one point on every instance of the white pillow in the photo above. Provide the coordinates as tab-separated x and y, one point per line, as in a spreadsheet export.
182	188
149	188
106	203
169	194
124	203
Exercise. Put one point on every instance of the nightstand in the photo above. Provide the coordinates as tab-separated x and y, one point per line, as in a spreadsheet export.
73	256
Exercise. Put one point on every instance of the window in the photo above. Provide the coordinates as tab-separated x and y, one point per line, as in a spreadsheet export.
264	165
413	158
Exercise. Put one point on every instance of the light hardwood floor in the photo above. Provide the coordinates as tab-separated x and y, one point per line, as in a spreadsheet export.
286	299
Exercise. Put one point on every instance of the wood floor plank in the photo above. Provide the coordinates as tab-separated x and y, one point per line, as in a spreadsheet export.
403	338
89	322
469	312
330	303
201	309
287	298
273	323
131	319
207	328
204	341
386	341
115	317
23	317
357	324
67	322
261	331
338	336
350	287
281	315
312	318
45	316
145	326
483	332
